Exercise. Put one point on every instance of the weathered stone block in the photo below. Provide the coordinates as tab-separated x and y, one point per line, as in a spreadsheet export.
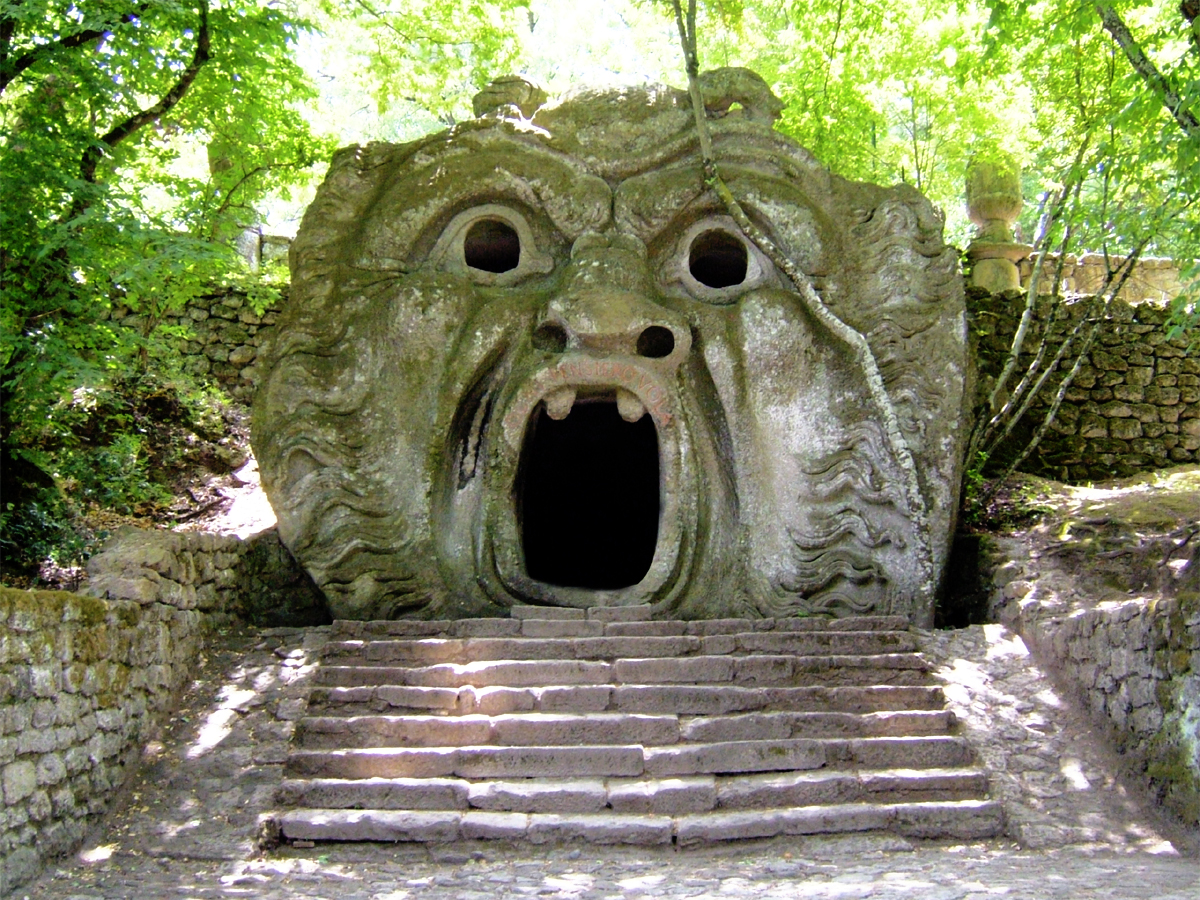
1093	426
1109	362
1163	396
734	756
480	825
1110	379
1139	376
1125	429
1189	432
1116	410
1144	412
20	781
574	796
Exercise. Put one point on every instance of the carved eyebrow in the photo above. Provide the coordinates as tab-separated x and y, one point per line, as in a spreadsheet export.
430	188
652	202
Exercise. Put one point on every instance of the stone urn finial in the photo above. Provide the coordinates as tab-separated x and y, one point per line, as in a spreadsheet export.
993	203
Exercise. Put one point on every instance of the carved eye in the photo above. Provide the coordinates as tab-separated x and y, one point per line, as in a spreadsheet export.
717	259
492	245
716	263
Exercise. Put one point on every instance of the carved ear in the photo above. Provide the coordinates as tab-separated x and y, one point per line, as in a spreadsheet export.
509	90
721	88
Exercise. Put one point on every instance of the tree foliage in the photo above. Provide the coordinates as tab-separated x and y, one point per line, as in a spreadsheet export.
1098	102
139	137
99	104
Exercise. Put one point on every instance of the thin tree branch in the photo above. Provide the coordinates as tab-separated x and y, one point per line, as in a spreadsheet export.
415	38
1190	10
1026	389
227	201
93	154
1063	349
1112	287
9	71
816	307
1174	103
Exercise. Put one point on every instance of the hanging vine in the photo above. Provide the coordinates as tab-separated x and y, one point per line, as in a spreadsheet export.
813	304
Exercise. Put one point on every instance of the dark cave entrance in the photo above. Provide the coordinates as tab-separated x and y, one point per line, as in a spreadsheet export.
587	496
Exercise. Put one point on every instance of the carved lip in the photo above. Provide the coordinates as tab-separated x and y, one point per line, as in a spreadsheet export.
590	376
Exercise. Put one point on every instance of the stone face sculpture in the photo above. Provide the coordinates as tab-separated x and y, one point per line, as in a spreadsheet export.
535	361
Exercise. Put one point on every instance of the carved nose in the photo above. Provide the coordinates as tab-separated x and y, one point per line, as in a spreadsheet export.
609	306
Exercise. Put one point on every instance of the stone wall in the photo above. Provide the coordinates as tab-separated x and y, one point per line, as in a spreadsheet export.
85	678
1133	661
221	337
1153	278
1134	405
84	682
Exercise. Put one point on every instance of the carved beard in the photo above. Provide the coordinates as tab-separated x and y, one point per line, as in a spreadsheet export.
458	302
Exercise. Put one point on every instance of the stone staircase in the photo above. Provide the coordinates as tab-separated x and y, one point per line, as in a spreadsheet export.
560	724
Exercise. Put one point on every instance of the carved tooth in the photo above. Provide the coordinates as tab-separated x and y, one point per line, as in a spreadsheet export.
559	403
629	406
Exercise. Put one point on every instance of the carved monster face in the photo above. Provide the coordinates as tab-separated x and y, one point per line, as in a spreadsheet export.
537	363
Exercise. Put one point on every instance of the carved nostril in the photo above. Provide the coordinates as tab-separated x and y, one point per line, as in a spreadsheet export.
655	342
549	336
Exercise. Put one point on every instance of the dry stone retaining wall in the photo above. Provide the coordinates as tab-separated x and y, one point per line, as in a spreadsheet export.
1134	405
221	337
85	678
1134	662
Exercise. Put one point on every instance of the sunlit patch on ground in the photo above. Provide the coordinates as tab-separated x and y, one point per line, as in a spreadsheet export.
1042	761
218	724
97	854
248	510
1156	499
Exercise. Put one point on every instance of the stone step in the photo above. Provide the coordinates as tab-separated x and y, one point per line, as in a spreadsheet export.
607	726
652	796
682	699
884	668
962	820
426	650
392	730
836	786
512	730
616	621
782	725
516	729
527	761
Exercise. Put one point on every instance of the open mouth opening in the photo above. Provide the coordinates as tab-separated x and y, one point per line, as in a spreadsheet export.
588	496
